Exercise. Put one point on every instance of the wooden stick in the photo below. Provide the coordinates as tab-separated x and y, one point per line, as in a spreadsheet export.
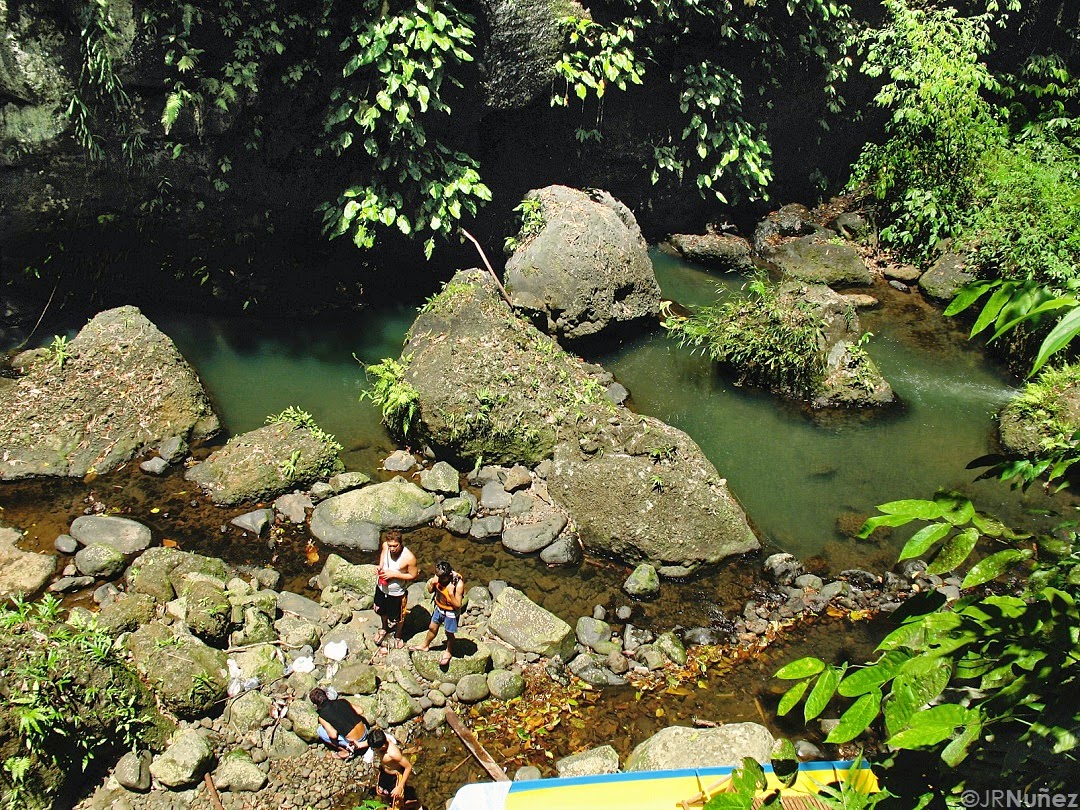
214	798
467	758
474	746
487	264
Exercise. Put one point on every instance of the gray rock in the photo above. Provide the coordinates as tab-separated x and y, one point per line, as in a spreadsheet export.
485	527
106	594
348	519
463	505
899	285
945	278
426	662
124	535
495	587
586	269
461	526
237	772
355	679
126	613
305	718
173	449
807	751
301	606
524	43
526	626
319	491
861	301
501	657
133	771
809	582
651	657
472	689
69	584
527	773
255	522
643	582
154	466
494	496
98	560
681	747
279	743
623	613
617	393
530	537
721	251
343	482
783	568
505	685
248	711
264	463
521	503
591	762
400	461
357	579
441	478
564	551
517	477
209	612
185	760
52	417
66	544
902	272
293	507
851	225
396	704
590	631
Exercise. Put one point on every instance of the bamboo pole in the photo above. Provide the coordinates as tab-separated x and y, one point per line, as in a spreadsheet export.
475	748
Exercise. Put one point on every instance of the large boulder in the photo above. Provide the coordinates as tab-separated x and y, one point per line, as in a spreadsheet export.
22	572
264	463
821	258
123	387
358	579
184	762
398	504
642	490
489	384
582	264
186	674
526	626
682	747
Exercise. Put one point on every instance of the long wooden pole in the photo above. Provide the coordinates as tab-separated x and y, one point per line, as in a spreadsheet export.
212	791
475	748
487	264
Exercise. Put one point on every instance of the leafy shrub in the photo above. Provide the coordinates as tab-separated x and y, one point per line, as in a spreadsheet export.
768	342
303	419
70	696
396	398
532	222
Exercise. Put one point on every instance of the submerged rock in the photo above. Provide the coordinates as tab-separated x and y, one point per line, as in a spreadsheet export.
122	387
723	251
585	266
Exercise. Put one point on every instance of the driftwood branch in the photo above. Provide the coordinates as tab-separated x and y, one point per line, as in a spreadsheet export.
487	264
474	746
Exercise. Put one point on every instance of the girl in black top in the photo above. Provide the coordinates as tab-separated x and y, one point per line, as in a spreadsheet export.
340	725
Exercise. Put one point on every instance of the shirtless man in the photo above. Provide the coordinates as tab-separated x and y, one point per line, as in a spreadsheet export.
449	590
397	568
394	769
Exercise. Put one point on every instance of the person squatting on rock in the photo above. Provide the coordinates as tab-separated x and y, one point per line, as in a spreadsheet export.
449	589
397	567
394	769
341	726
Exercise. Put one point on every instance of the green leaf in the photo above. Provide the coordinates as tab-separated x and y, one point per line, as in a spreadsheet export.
785	762
958	509
792	697
932	726
954	552
968	296
913	508
993	307
802	668
823	692
857	718
863	680
881	520
1060	337
923	539
956	751
993	566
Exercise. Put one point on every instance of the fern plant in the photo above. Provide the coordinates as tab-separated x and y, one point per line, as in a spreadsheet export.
393	395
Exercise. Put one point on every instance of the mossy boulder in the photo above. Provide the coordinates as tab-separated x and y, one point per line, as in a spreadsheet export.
150	573
123	387
265	463
355	679
262	661
1044	415
822	258
394	504
471	657
526	626
948	274
208	612
188	676
583	266
716	250
248	711
183	763
396	705
238	772
126	613
489	384
357	579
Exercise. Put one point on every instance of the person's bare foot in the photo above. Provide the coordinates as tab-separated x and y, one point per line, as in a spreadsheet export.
420	648
379	637
444	661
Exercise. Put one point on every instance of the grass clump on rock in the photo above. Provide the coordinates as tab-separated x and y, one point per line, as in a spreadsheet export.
765	341
302	419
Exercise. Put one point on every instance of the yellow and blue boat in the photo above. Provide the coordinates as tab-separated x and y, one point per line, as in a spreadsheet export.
655	790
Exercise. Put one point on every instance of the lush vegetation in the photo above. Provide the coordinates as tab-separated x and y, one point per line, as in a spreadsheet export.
68	699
